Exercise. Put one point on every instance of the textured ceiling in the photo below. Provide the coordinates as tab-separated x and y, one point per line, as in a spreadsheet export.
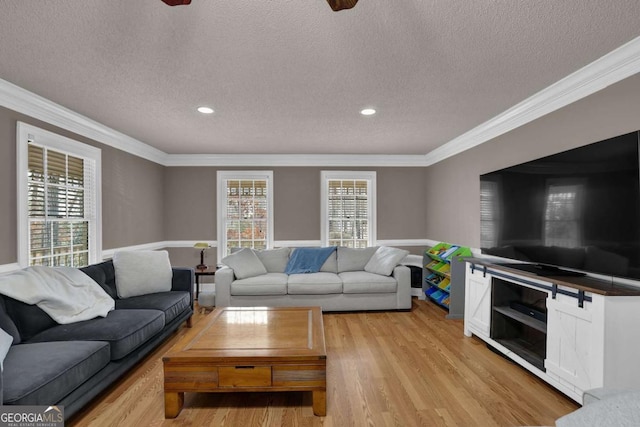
290	76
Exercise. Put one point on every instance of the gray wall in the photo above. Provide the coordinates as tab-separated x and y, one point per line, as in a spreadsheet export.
190	199
144	202
132	200
455	216
132	191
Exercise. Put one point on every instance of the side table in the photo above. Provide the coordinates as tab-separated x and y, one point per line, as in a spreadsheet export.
203	272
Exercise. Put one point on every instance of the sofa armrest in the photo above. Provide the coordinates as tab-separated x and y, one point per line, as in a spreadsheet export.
224	278
402	274
183	280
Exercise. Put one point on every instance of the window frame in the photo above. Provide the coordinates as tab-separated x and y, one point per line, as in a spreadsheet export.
53	141
370	177
239	175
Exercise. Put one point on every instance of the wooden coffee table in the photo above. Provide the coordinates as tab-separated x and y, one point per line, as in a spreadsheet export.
249	349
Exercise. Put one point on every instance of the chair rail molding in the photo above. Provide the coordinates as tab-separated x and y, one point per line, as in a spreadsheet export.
108	253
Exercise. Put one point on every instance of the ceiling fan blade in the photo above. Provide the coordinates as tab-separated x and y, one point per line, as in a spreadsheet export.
337	5
176	2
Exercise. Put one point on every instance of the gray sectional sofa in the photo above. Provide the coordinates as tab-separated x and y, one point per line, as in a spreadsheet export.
604	407
70	364
349	280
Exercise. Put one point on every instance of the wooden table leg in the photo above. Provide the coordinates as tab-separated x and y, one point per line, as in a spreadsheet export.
319	403
173	404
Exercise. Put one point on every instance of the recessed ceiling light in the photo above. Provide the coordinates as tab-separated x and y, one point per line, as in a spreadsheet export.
368	112
205	110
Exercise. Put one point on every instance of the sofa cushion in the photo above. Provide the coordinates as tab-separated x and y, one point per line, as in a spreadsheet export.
265	284
245	263
354	259
362	282
44	373
124	330
314	284
29	319
274	260
384	260
171	303
142	272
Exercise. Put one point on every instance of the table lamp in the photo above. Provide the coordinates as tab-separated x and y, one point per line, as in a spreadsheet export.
203	246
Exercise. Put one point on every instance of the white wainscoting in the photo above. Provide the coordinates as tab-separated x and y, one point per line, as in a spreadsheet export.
108	253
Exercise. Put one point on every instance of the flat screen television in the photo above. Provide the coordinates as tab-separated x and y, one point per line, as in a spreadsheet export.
578	210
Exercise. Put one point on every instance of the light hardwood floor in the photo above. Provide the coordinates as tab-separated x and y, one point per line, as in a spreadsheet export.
383	369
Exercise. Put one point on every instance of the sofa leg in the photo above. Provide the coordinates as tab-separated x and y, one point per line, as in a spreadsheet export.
189	322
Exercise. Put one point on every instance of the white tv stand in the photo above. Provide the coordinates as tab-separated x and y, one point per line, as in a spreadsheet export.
590	338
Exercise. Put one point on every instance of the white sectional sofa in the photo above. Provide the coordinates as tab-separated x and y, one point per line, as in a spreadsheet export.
350	279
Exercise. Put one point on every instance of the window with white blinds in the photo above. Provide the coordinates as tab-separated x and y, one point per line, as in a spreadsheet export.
245	206
58	207
348	209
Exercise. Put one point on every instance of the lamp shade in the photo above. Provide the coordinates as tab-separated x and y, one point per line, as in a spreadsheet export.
201	245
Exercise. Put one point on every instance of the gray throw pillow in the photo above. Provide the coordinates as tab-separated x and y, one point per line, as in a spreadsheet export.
354	259
384	260
245	263
331	264
274	260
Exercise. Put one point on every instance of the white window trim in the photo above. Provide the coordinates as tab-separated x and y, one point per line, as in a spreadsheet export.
222	177
26	132
326	176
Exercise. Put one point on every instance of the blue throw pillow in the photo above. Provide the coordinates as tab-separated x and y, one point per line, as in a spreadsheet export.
308	260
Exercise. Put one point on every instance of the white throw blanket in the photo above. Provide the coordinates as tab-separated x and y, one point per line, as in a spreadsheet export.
64	293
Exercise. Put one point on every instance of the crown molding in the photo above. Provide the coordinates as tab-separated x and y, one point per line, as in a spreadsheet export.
611	68
28	103
38	107
293	160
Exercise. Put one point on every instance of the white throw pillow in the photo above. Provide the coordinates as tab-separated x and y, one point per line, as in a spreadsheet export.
5	345
142	272
384	260
245	263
